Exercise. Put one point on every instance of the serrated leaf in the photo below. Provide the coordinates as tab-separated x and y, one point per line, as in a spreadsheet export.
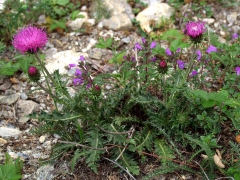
75	158
163	151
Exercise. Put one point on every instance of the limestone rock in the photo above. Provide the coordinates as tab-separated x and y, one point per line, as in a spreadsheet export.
27	107
154	12
78	22
9	132
9	99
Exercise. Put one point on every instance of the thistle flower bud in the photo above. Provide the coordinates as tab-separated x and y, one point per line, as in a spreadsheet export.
162	68
96	90
33	74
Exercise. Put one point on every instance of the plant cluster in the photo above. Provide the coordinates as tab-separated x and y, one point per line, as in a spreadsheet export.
155	104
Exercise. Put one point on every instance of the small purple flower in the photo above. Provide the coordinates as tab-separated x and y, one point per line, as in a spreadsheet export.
153	59
133	58
193	73
211	48
178	50
72	65
194	29
235	36
30	39
168	52
78	73
138	46
153	45
143	40
199	55
81	58
77	81
238	70
181	64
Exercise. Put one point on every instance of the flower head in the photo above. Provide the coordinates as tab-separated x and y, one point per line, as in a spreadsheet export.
144	40
81	58
138	46
30	39
78	73
211	48
195	30
72	65
153	59
168	52
238	70
193	73
77	81
199	55
181	64
162	68
235	36
33	73
178	50
153	45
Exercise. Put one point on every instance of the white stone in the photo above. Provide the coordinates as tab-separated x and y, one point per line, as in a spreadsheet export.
1	5
154	12
9	132
91	22
42	139
231	18
118	22
62	59
222	33
209	20
78	22
149	2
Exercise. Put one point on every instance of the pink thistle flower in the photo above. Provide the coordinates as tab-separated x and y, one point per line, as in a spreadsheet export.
195	30
29	39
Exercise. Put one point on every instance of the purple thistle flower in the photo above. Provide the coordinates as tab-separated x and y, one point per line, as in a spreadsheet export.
235	36
211	48
81	58
193	73
138	46
194	29
29	39
153	45
143	40
78	73
181	64
199	55
72	65
178	50
168	52
238	70
77	81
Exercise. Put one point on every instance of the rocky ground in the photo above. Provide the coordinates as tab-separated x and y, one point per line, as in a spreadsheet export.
19	97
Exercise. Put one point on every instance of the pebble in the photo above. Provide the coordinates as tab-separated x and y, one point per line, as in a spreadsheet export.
2	141
42	139
23	96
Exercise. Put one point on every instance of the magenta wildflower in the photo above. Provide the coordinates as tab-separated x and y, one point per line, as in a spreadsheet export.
77	81
82	58
238	70
193	73
195	30
78	73
199	55
211	48
153	45
162	68
181	64
153	59
235	36
168	52
138	46
144	40
72	65
178	50
33	73
29	39
133	58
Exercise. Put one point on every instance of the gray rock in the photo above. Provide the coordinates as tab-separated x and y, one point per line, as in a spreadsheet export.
23	96
41	19
118	22
6	85
45	172
9	99
95	54
50	52
154	12
9	132
27	107
231	18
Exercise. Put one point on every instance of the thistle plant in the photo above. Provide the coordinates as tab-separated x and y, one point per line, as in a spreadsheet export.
152	101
